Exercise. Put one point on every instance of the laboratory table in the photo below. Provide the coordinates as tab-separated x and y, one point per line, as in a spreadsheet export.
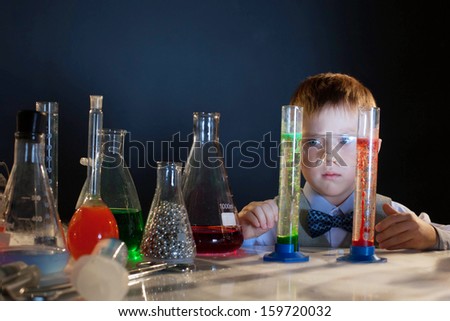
244	275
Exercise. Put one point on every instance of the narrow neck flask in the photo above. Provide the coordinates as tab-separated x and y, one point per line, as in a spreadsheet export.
168	234
33	232
207	195
51	111
93	220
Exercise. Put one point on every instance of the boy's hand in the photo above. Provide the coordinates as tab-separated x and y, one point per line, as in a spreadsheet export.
404	231
258	217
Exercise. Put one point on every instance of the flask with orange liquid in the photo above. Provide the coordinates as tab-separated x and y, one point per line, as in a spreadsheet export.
93	220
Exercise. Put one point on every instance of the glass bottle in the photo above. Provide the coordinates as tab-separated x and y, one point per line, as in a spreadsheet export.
93	220
206	192
32	230
119	192
168	234
51	110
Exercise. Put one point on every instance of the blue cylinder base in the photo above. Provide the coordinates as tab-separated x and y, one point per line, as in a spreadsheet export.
285	253
362	254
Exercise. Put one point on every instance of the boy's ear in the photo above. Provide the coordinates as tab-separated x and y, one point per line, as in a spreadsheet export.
379	144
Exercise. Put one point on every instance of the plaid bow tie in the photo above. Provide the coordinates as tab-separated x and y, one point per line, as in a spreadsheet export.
320	223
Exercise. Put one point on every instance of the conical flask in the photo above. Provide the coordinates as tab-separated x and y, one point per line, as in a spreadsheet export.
32	230
206	192
119	192
168	234
93	220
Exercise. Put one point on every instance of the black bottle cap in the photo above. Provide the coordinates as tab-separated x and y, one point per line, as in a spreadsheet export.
30	122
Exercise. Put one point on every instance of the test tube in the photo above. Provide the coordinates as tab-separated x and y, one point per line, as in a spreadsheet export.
50	108
286	248
364	207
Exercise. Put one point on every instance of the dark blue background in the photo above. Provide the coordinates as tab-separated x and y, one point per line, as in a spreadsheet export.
155	62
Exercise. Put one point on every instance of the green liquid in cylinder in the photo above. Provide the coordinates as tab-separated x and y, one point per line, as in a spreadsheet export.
131	228
289	239
289	189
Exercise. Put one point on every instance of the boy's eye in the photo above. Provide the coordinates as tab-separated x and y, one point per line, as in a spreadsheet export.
344	139
313	142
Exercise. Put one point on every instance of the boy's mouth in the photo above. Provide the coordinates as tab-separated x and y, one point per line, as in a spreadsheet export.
330	175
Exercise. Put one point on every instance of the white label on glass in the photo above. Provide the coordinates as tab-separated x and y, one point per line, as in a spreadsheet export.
228	219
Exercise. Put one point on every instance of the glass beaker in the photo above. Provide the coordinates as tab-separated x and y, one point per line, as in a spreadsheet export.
32	230
206	192
51	110
168	234
119	192
93	220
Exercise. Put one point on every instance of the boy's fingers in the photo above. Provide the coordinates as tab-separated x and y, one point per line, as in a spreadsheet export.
388	209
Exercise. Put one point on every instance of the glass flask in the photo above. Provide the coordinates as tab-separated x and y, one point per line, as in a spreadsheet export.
32	231
51	110
168	234
93	220
206	192
119	192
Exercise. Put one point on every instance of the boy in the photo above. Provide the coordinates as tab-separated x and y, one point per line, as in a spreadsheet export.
330	112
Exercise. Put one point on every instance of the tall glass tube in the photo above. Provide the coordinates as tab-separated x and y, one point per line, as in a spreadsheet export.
366	177
93	220
51	110
94	146
364	207
286	248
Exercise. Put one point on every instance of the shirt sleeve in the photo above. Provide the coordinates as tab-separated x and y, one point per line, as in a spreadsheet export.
442	231
267	239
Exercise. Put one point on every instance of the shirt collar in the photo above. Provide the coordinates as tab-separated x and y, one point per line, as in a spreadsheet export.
319	203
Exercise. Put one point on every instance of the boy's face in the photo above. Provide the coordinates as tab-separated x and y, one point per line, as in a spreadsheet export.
329	153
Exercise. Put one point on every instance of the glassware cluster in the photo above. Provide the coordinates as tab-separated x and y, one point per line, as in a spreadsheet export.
192	212
118	191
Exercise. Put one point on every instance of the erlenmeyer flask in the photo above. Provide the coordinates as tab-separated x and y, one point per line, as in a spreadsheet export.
168	235
119	191
32	230
206	192
93	220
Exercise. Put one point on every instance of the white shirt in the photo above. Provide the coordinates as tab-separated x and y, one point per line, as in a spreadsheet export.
336	235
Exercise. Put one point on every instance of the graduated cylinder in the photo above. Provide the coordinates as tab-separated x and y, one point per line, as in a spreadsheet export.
290	174
366	177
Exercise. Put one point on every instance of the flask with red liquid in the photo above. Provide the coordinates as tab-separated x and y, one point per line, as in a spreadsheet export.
207	195
93	220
